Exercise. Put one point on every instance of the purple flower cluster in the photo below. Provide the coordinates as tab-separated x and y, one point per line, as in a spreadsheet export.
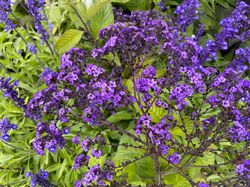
90	86
48	136
50	100
81	160
158	133
34	9
10	92
97	175
244	169
5	10
180	93
40	178
130	40
186	13
5	126
32	48
234	27
237	25
174	159
241	62
202	184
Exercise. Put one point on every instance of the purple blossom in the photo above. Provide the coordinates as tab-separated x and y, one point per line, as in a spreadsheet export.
96	153
76	140
174	159
48	76
187	13
98	175
40	178
81	160
32	48
85	144
244	169
94	70
202	184
34	9
10	92
5	10
5	126
48	136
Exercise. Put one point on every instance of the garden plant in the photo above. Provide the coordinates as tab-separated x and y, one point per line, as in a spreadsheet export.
124	93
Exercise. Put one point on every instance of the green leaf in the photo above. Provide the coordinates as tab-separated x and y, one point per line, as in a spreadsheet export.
141	172
120	1
119	116
55	15
194	172
68	40
62	169
223	3
136	5
176	180
207	159
124	154
102	18
157	113
213	178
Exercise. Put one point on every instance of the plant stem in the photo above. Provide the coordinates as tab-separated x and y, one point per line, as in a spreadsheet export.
157	178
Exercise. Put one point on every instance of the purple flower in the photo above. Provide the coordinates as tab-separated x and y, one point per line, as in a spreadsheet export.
96	174
10	92
76	140
94	70
34	9
187	13
202	184
5	126
5	10
96	153
85	144
81	160
244	169
174	159
40	178
48	136
32	48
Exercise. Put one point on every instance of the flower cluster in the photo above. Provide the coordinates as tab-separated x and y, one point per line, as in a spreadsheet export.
48	136
202	184
233	27
183	96
5	10
40	178
9	91
244	169
5	126
236	26
83	159
186	13
97	175
130	40
34	9
241	62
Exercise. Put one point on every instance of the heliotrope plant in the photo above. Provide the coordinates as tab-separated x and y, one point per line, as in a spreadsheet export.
178	109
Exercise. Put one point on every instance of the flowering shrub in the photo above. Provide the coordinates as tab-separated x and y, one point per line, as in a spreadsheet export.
144	103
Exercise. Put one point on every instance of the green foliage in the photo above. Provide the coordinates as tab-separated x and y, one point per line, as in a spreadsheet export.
73	21
68	40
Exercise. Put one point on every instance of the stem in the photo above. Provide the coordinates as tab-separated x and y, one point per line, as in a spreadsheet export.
112	127
157	178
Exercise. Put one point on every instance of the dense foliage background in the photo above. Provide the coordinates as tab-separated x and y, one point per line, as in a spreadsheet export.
39	39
